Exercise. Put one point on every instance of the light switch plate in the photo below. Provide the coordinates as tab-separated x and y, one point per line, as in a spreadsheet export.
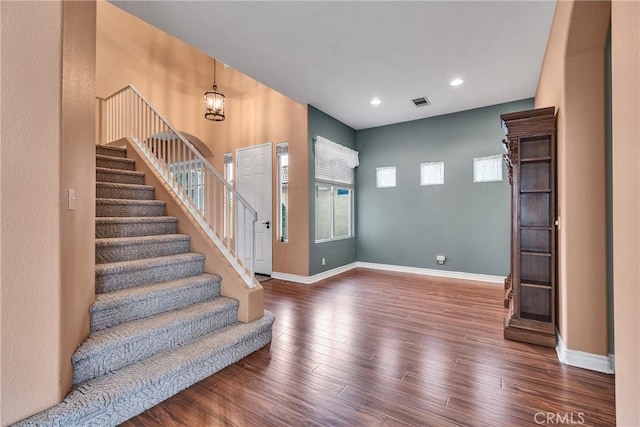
72	199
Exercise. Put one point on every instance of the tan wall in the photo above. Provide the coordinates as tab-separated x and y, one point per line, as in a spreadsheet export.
572	79
267	115
30	194
1	348
77	171
174	76
251	300
625	58
550	93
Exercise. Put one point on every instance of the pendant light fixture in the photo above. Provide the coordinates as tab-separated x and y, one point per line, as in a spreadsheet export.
214	101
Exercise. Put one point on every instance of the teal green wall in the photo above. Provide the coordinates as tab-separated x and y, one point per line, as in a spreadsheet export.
410	224
465	221
339	252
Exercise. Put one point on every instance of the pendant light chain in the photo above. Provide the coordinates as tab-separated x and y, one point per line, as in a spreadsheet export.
214	73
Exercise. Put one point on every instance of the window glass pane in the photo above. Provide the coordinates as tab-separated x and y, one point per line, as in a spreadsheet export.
283	195
432	173
323	212
386	177
487	169
341	212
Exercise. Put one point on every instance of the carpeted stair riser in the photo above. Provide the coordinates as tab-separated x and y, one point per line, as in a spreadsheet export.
106	150
119	176
110	349
129	208
118	396
131	227
114	308
107	190
120	249
128	274
158	323
115	163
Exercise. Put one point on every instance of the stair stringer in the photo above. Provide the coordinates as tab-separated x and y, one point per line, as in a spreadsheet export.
232	286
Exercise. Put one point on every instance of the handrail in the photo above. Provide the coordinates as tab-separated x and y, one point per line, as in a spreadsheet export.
224	214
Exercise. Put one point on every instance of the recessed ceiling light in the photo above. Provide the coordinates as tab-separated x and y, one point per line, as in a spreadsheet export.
375	101
456	82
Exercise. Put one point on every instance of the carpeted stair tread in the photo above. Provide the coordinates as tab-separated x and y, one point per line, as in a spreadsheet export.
108	150
125	241
127	274
112	348
117	249
118	226
106	339
120	395
135	219
119	176
114	162
108	207
113	190
125	186
113	308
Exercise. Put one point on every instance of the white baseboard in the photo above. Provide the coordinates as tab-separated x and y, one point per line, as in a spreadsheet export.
308	280
581	359
436	273
612	361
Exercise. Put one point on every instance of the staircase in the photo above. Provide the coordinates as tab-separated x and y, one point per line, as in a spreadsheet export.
158	324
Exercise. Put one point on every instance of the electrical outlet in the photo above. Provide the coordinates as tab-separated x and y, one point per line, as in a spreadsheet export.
440	259
324	261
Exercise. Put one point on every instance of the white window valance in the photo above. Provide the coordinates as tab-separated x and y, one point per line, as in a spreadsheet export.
331	151
334	162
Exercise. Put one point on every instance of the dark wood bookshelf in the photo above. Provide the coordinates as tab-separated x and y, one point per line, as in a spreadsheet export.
531	159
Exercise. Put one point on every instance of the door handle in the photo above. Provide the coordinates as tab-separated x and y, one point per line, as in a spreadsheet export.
268	223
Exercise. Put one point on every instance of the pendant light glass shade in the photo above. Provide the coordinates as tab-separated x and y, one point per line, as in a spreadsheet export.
214	101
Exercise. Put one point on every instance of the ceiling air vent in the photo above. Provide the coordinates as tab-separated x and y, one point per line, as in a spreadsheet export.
421	102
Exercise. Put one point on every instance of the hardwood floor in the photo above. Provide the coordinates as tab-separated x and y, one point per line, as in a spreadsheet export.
370	348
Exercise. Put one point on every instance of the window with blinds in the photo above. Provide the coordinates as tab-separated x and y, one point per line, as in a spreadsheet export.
334	164
333	171
487	169
386	177
432	173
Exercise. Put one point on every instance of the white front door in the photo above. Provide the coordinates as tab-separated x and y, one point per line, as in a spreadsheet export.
254	184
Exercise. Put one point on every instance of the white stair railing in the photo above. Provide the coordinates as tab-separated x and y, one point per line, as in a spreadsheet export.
227	218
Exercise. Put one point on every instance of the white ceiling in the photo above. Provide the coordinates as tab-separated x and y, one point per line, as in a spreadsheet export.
337	56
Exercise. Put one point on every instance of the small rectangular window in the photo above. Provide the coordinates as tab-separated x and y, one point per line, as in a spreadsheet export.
282	152
432	173
386	177
487	169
